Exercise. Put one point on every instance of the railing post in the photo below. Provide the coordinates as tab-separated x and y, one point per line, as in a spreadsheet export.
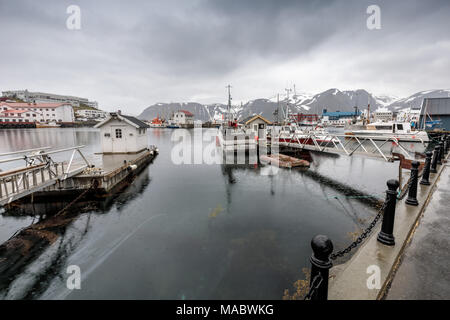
441	154
426	170
433	168
386	235
412	192
322	248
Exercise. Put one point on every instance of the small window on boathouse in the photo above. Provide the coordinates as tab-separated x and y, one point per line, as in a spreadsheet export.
119	133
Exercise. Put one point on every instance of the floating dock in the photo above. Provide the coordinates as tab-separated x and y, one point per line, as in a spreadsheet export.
43	177
284	161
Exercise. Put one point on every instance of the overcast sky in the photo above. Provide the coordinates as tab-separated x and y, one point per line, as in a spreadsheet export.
131	54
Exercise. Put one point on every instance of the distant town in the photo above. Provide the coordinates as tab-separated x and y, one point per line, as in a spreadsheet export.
27	109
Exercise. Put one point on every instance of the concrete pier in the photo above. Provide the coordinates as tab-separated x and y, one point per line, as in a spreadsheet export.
348	281
423	272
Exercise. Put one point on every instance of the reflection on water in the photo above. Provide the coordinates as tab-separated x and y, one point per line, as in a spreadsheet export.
190	231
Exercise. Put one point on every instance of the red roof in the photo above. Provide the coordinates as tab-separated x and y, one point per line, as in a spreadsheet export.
187	113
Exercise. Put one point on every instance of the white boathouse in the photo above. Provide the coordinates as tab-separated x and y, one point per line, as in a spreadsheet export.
122	134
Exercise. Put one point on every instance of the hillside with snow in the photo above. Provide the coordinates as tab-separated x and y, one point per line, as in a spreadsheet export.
332	100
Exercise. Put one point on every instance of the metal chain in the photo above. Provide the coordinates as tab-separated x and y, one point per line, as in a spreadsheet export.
405	192
312	289
361	237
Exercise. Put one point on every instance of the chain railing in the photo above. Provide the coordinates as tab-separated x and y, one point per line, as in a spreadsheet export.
361	237
315	284
322	257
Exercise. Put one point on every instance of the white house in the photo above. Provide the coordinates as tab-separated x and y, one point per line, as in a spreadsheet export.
183	117
40	112
122	134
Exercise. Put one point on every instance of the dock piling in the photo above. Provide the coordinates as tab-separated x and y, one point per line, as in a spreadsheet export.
426	170
322	248
412	192
387	227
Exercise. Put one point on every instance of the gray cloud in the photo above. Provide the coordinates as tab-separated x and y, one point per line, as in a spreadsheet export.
133	54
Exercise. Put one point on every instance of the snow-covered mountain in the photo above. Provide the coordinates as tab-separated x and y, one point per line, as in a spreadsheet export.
415	100
332	100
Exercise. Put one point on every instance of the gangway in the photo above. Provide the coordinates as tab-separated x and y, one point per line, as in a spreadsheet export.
40	171
345	144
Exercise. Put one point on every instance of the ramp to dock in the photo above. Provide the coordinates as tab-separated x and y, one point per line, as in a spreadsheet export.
39	172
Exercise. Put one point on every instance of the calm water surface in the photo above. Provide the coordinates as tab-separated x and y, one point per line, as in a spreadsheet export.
194	231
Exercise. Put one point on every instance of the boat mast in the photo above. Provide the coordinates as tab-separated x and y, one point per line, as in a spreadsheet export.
228	117
286	116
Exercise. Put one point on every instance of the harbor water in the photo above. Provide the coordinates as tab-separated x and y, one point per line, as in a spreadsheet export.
193	231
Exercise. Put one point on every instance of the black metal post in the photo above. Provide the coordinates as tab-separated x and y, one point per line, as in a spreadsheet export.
426	169
412	192
445	146
322	248
386	235
440	154
434	162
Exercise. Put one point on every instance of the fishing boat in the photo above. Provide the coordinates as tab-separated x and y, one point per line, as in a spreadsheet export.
172	126
47	125
232	136
402	131
157	123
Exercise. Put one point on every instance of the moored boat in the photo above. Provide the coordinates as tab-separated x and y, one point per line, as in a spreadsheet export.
47	125
402	131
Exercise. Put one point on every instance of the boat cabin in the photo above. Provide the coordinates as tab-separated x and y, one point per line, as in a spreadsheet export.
393	127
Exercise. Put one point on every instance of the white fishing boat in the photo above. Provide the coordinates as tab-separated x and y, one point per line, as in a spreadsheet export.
402	131
236	139
47	125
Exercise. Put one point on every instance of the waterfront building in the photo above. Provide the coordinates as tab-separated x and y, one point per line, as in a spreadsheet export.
91	114
383	115
339	118
122	134
183	118
36	112
437	110
42	97
255	123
